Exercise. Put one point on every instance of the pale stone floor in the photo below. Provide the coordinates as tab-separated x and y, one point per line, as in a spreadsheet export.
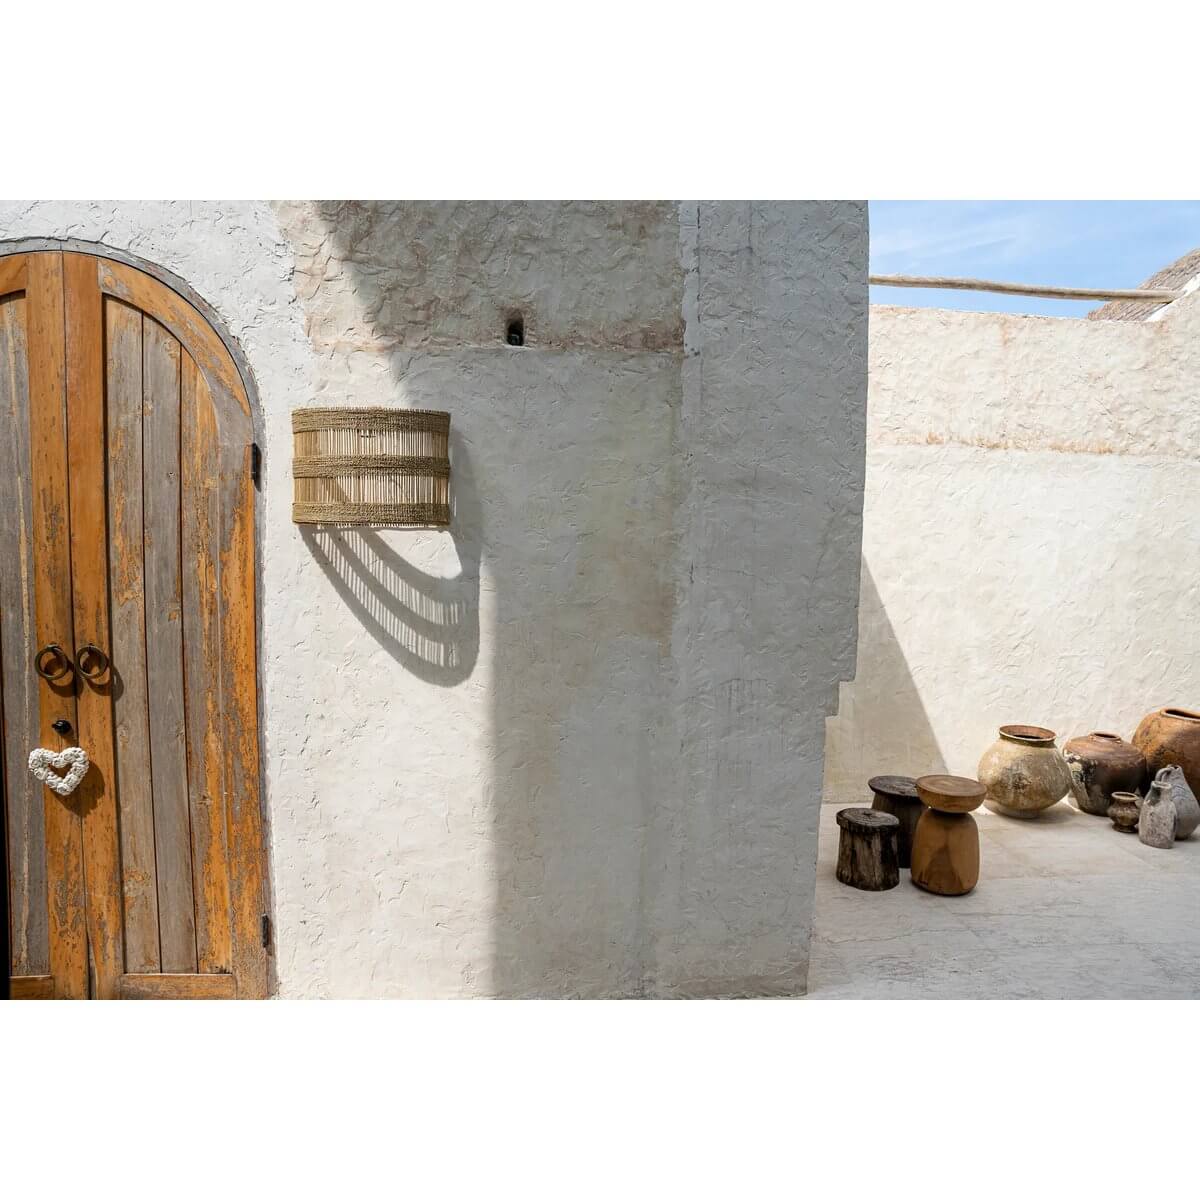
1066	908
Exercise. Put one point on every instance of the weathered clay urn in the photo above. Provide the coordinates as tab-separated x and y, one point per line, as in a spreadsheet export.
897	794
1023	771
1187	808
1170	737
1158	820
1124	811
1103	763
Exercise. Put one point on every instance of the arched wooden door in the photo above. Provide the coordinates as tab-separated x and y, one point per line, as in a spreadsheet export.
127	546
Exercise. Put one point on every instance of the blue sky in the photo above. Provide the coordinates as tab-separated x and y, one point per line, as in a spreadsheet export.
1068	243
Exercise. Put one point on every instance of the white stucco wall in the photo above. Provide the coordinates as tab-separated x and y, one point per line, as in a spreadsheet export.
772	446
573	746
1031	535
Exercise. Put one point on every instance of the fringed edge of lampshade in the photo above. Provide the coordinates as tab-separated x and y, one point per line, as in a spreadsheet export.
331	513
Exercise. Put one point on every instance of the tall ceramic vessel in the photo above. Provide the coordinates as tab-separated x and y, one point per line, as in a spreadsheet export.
1158	821
1187	807
1170	737
1103	763
1023	771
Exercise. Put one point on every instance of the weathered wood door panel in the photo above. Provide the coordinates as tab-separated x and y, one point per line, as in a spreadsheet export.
126	537
45	853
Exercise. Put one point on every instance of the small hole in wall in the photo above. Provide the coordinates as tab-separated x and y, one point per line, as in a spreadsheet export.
514	335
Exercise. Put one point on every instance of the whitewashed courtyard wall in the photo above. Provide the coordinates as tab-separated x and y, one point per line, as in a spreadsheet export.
1031	535
572	746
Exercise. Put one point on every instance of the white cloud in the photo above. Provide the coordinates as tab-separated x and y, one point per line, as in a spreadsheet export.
951	232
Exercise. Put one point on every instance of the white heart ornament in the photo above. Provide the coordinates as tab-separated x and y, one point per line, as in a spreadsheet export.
40	762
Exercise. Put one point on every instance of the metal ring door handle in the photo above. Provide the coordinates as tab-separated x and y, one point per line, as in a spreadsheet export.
57	654
90	649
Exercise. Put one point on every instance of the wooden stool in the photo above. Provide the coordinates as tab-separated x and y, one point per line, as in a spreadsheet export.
897	794
945	853
868	849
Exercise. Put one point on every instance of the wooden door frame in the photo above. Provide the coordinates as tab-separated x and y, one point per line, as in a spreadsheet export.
175	305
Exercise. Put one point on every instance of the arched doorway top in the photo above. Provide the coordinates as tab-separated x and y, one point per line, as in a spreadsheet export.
168	279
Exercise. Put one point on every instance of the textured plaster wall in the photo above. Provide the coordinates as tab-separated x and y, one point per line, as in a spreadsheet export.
772	434
506	680
573	745
1031	536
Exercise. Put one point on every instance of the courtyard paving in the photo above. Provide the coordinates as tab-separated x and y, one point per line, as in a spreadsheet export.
1066	908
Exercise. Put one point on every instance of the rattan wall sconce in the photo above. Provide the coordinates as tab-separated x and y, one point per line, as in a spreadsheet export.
371	466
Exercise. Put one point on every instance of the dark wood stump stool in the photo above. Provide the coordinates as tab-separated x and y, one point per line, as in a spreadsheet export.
897	794
868	849
945	854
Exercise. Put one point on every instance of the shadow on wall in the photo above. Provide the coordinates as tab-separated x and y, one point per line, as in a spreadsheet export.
881	727
572	461
428	624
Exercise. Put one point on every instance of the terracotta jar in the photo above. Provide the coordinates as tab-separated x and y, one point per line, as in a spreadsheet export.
1170	737
1023	771
1124	811
1103	763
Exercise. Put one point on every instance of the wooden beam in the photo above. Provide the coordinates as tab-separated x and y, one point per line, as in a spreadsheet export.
177	987
27	922
1150	295
53	619
96	798
32	987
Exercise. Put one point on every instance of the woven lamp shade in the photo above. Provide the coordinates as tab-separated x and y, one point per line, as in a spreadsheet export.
371	466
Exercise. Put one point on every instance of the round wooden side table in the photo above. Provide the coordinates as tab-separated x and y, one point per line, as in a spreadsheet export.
897	794
945	853
868	856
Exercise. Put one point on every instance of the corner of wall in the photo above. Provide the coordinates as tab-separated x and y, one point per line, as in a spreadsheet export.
772	433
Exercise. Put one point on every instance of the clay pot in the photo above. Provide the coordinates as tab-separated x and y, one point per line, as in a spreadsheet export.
1023	771
1124	811
1171	737
1103	763
897	794
1187	808
1158	819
